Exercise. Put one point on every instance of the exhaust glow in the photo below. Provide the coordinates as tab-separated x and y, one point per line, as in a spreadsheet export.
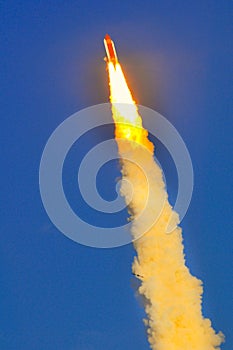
125	113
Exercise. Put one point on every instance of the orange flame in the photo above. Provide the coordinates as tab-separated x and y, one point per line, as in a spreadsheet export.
128	122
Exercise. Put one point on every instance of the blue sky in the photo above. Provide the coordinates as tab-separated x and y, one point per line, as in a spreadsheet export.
55	293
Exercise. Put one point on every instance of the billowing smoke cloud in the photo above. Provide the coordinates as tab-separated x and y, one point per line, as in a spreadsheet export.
173	296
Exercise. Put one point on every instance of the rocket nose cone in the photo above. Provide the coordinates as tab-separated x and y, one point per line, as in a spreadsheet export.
107	37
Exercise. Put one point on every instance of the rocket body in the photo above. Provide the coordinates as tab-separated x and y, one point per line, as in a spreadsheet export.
110	50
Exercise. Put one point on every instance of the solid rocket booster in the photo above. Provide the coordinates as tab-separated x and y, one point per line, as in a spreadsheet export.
110	50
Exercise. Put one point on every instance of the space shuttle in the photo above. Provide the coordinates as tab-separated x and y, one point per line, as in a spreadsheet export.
110	50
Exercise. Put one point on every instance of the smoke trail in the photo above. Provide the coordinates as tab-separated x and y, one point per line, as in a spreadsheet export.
173	296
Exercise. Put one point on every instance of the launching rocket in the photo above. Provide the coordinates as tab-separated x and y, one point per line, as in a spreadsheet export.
174	308
110	50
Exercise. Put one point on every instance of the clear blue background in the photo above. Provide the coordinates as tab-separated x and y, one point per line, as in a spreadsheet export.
54	293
